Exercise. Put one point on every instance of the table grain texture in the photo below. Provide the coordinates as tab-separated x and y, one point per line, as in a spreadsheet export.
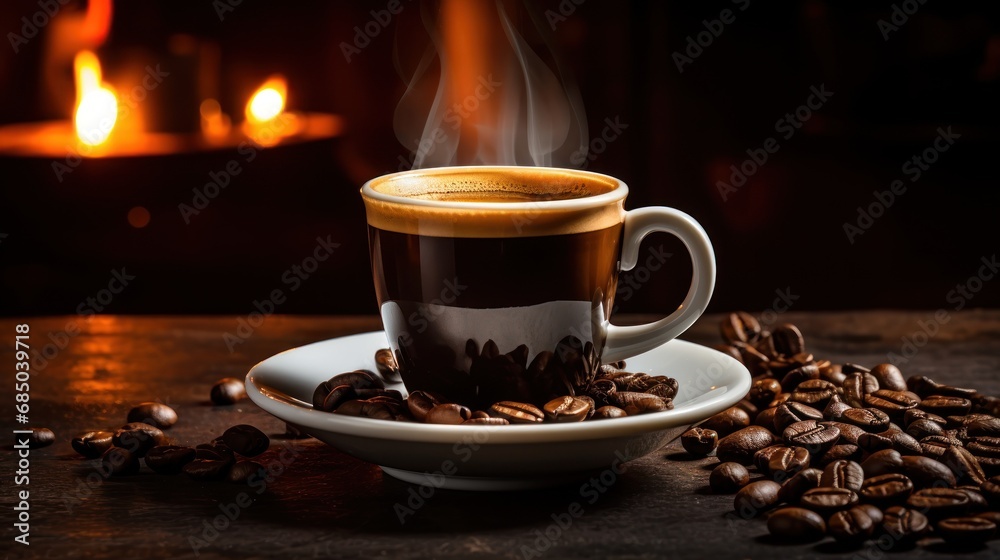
328	505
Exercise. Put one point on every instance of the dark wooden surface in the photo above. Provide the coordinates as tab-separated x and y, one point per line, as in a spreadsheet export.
328	505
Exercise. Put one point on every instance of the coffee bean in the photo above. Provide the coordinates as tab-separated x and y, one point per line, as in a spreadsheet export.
336	397
755	361
992	516
872	512
740	327
763	456
740	446
359	379
964	465
386	365
965	530
921	385
228	390
38	438
421	402
727	478
886	489
793	488
923	427
727	421
857	385
843	474
380	409
977	502
851	526
889	439
926	472
154	414
986	404
634	403
448	413
904	524
811	435
945	406
796	376
889	377
987	452
487	421
834	373
765	418
243	471
991	491
369	394
939	503
169	459
787	461
849	433
796	524
850	368
699	441
756	498
814	392
246	440
601	391
666	389
984	427
914	414
789	413
138	438
92	444
868	419
828	500
787	340
893	403
605	412
935	446
840	452
211	462
517	413
763	391
567	409
118	461
882	462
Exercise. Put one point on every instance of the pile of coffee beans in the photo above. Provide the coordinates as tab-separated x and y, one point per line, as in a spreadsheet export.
854	453
612	393
123	451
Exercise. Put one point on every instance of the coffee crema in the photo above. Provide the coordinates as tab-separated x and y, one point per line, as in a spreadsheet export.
501	202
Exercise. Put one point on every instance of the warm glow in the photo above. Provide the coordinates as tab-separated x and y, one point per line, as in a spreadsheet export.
214	123
96	104
268	101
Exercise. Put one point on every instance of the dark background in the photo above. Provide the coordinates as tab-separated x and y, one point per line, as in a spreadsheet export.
782	230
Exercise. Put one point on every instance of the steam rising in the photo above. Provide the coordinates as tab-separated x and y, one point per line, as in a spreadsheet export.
495	101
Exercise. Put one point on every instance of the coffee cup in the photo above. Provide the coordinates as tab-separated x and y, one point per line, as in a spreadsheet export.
497	282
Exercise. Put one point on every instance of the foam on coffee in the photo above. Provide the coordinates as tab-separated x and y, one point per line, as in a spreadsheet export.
494	202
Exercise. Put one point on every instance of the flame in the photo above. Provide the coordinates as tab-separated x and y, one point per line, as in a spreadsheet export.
96	104
214	123
97	21
268	101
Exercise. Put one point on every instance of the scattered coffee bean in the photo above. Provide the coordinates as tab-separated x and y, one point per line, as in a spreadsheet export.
926	472
634	403
517	413
727	478
606	412
154	414
385	362
787	340
92	444
246	440
421	402
756	498
893	403
843	474
887	489
242	471
371	408
487	421
211	462
828	500
904	524
965	530
889	377
169	459
727	421
793	488
138	438
796	524
787	461
791	412
946	406
815	437
567	409
872	512
699	441
228	390
763	391
851	526
868	419
118	461
448	413
38	438
939	503
601	391
741	446
840	452
740	327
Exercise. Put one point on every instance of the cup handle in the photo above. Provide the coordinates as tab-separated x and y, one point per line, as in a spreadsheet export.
624	342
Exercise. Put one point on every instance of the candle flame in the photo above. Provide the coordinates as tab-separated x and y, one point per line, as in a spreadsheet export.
96	104
268	101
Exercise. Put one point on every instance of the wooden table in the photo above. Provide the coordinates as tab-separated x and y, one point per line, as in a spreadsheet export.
328	505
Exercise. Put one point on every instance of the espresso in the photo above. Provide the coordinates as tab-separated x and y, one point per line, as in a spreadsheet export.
487	274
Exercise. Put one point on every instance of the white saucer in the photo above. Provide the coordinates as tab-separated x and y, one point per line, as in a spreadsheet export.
492	457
